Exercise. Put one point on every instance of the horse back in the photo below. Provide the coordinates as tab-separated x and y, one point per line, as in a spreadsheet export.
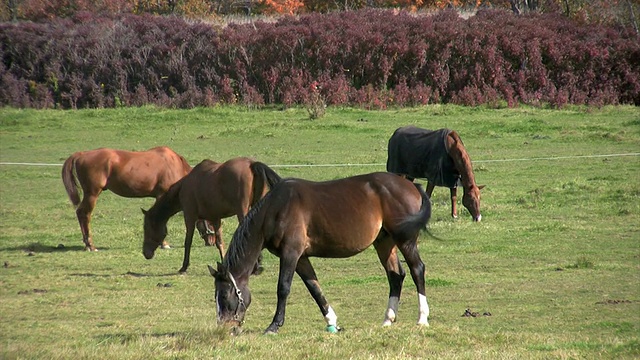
217	190
129	173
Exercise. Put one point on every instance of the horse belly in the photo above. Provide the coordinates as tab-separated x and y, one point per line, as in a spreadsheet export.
132	185
344	238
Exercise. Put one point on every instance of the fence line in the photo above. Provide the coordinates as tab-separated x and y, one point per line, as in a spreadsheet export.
381	164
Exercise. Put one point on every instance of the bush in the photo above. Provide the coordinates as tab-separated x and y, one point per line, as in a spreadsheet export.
368	58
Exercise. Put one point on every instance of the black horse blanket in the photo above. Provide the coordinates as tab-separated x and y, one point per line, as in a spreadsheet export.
422	153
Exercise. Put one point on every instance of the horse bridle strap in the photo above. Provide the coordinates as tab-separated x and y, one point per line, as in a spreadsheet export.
239	295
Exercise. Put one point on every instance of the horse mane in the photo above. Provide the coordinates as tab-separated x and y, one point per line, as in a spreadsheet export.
239	248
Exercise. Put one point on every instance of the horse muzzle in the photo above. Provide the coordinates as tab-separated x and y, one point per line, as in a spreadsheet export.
148	254
234	327
478	218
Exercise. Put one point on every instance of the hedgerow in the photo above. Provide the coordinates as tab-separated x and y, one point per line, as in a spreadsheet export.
368	58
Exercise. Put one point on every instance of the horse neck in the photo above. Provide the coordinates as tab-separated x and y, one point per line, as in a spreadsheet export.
167	205
244	250
463	165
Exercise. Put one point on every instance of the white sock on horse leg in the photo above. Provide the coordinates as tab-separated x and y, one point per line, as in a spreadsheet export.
331	318
423	319
392	309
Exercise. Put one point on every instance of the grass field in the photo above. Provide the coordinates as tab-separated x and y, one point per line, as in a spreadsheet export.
555	261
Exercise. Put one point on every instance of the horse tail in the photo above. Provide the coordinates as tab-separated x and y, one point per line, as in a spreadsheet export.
264	172
412	225
263	176
69	179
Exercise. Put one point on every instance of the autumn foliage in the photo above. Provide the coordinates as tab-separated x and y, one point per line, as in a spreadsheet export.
368	58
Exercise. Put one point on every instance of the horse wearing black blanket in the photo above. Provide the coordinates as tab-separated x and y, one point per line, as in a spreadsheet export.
441	158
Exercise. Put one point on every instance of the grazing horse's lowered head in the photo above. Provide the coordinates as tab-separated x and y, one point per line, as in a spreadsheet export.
154	235
232	298
471	201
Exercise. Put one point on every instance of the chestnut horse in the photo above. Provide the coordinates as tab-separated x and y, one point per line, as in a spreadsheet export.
299	219
126	173
441	158
212	191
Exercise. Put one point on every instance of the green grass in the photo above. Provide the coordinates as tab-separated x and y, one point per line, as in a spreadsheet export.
556	259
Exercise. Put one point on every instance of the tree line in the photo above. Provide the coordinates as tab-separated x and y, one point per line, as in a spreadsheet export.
607	12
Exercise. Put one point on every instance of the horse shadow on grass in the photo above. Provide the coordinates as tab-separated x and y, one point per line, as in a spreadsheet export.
42	248
128	273
170	339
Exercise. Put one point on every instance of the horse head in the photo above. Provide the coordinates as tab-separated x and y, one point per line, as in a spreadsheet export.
154	235
232	298
471	201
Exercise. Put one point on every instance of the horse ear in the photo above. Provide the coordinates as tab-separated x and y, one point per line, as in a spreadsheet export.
212	271
480	187
222	272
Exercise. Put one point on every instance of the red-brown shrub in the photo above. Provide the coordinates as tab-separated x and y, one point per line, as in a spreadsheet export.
368	58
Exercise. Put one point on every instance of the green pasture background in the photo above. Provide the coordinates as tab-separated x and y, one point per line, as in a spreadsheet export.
555	261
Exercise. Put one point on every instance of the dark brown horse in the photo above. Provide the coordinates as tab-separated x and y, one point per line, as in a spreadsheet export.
299	219
126	173
441	158
212	191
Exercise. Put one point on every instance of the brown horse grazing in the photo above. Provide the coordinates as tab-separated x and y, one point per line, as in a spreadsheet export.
440	157
127	173
211	191
299	219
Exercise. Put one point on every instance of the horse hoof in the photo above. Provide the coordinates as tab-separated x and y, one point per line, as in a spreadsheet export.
270	332
165	247
387	323
333	329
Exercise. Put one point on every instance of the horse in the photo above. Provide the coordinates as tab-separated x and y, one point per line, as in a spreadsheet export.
441	158
126	173
211	191
299	219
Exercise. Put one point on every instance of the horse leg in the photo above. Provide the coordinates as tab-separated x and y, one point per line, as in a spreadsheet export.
83	212
188	239
388	255
217	237
287	269
429	189
257	267
308	275
412	256
454	201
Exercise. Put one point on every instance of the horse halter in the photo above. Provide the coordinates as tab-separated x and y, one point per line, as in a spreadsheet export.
240	299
